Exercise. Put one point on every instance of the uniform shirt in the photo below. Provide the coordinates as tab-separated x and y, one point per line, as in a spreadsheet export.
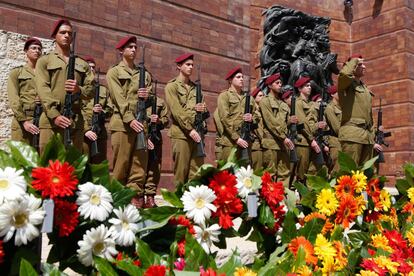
306	116
274	113
123	89
181	100
50	78
355	100
258	132
333	116
230	106
104	101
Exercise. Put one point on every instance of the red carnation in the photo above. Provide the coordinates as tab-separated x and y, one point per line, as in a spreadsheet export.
66	216
57	180
181	248
227	208
137	263
182	220
273	192
210	272
224	185
155	270
369	264
395	239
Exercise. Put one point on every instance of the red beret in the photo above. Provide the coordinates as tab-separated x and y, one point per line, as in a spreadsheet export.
233	72
57	25
287	94
255	92
124	41
332	89
316	97
301	82
30	41
184	57
355	56
272	78
89	59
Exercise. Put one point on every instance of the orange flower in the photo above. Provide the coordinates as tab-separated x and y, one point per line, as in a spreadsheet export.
346	186
348	209
327	227
314	215
341	259
373	189
307	246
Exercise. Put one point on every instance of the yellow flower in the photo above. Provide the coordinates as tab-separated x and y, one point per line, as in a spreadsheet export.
361	203
385	200
326	202
410	193
328	267
380	241
304	271
367	273
385	262
244	271
324	249
410	236
360	179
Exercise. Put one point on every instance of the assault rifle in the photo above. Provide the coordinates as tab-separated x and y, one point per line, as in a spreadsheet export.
247	127
380	135
96	117
67	108
36	118
141	142
199	122
154	134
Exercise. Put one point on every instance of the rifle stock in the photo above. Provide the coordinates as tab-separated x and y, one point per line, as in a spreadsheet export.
141	142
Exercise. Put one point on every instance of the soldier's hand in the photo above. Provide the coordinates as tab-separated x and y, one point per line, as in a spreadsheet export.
136	126
248	117
326	148
97	108
195	136
315	146
289	144
154	118
91	135
143	93
293	119
150	145
72	86
378	147
321	124
37	100
381	128
242	143
62	122
30	127
200	107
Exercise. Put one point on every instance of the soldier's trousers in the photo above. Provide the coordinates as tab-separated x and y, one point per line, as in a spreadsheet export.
129	164
102	147
47	133
185	165
334	155
18	133
257	159
225	153
360	153
153	170
303	153
278	161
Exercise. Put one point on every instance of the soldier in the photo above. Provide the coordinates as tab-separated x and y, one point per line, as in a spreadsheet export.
104	111
180	95
333	116
257	150
158	122
22	94
52	86
356	133
230	106
129	163
275	141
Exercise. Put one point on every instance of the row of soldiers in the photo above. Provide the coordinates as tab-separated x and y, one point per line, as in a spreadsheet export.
130	99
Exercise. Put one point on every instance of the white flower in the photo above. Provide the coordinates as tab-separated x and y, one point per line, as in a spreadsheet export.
96	242
94	201
245	182
197	203
206	236
21	216
12	184
125	226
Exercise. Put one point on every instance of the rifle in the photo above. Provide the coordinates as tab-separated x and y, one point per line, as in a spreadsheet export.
95	118
380	135
36	118
154	134
67	108
245	132
293	136
199	122
141	143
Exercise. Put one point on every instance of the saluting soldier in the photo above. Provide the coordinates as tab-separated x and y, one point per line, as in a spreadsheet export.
230	106
333	116
160	121
257	150
22	94
103	109
356	133
129	163
180	96
275	141
52	86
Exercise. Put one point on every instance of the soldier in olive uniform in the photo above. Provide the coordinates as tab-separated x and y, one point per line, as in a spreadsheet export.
22	94
129	164
230	106
275	114
180	96
52	86
356	133
104	111
333	116
158	122
257	150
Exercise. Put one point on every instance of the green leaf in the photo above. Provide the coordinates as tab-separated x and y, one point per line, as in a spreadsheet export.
302	189
171	198
300	258
145	254
123	197
195	256
309	199
402	186
317	183
266	216
100	174
53	150
26	269
129	268
186	273
51	270
311	229
6	160
337	233
354	258
160	213
369	164
290	199
409	173
359	238
230	266
245	227
23	154
346	163
289	227
104	267
114	186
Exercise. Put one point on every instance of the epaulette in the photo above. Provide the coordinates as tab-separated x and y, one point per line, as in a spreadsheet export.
172	80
